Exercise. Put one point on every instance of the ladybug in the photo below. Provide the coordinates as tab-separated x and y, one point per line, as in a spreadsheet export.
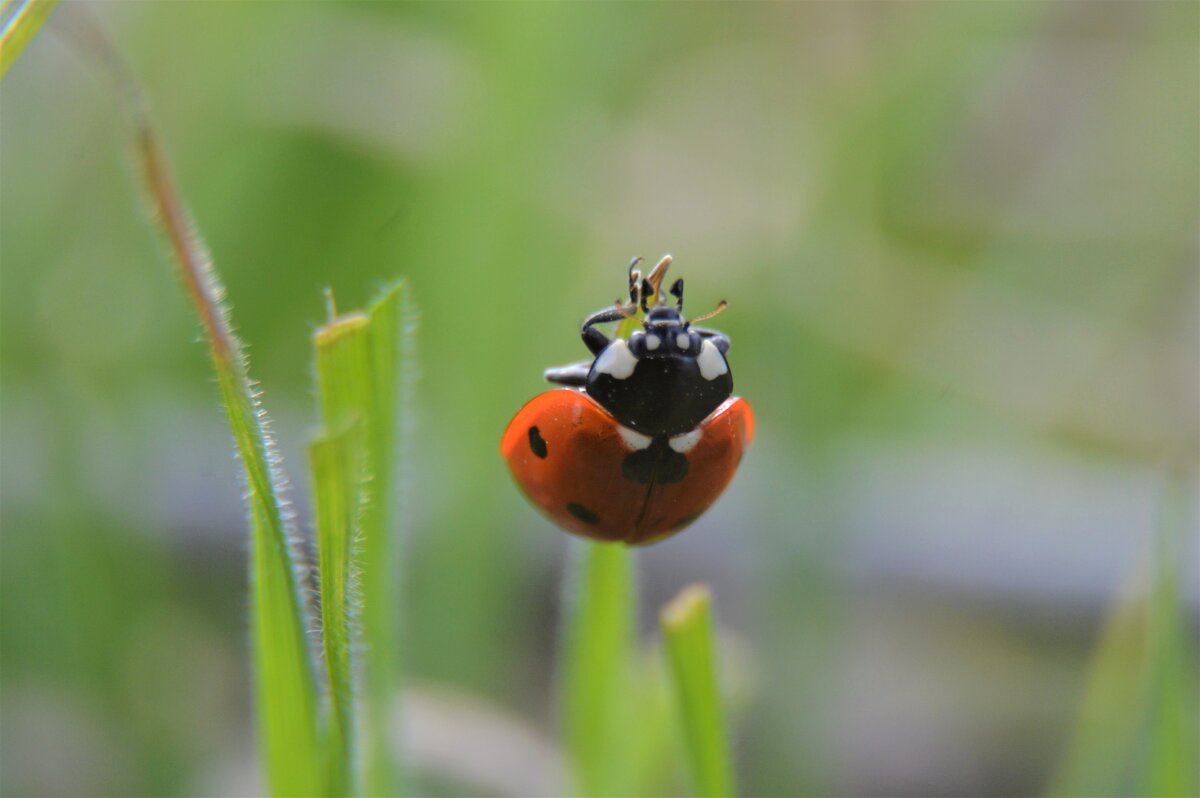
645	435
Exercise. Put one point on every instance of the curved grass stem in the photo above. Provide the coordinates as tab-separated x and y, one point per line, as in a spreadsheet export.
285	685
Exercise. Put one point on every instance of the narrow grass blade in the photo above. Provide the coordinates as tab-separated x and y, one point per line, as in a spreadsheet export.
653	743
360	360
20	21
1136	732
1171	765
597	701
392	334
285	689
688	630
1096	760
337	472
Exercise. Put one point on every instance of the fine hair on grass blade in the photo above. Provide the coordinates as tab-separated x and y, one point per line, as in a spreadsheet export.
359	381
392	337
688	632
285	687
597	701
20	21
336	465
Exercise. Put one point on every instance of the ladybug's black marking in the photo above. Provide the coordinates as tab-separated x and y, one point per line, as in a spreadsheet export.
582	513
537	443
657	463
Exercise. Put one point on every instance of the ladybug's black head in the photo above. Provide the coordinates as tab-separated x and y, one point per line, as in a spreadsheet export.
663	314
665	331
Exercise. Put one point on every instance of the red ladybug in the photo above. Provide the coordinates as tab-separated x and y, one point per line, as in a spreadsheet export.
646	436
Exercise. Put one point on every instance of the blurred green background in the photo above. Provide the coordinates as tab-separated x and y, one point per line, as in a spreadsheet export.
959	246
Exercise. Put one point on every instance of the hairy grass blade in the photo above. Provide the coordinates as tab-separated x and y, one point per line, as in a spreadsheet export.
688	630
392	337
285	690
337	473
360	361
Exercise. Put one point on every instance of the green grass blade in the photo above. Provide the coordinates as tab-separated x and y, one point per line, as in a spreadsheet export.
1096	758
1171	766
653	742
392	333
285	689
20	21
688	630
597	700
336	463
360	359
1136	732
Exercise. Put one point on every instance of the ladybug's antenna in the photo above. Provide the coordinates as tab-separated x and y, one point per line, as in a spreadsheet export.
720	306
677	292
635	279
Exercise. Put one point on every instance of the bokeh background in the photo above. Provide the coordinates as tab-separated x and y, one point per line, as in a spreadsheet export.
959	245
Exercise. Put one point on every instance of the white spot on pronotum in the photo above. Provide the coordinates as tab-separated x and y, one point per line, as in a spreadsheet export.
682	341
617	360
683	443
634	440
711	362
653	341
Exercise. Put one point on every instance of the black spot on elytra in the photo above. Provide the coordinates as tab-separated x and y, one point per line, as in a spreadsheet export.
582	513
657	463
537	443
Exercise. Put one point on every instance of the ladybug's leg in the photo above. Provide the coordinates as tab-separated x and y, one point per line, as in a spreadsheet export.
593	338
574	375
720	340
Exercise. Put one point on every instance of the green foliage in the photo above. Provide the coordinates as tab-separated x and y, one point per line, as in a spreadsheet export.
943	229
688	630
20	21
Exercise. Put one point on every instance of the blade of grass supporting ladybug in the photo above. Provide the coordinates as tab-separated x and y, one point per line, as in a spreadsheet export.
597	698
362	368
337	474
688	631
20	21
285	687
1136	732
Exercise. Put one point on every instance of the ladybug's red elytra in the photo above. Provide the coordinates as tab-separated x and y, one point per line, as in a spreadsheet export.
646	434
